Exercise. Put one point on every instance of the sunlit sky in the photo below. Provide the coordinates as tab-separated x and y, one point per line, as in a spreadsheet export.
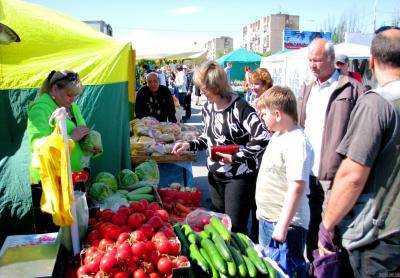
172	26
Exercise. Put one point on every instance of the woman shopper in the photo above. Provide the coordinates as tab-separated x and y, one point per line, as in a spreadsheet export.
228	119
58	90
260	81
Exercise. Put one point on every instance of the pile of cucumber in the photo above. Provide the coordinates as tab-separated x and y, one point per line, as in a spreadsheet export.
221	253
141	192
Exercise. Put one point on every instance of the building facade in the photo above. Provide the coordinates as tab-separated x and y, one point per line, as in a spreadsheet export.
218	47
266	34
101	26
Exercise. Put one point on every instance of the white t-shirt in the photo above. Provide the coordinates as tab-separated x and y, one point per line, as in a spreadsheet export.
288	157
315	115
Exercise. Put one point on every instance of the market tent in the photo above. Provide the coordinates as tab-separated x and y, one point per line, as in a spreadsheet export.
53	41
239	59
290	68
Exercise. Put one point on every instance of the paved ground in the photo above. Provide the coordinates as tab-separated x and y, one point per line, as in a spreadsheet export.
200	171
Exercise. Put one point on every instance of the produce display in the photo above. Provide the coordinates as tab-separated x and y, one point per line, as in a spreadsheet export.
153	137
179	200
221	253
111	192
135	241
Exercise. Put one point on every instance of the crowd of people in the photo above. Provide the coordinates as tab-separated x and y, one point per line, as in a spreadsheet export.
320	171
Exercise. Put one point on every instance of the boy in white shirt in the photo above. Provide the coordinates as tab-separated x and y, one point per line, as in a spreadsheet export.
282	182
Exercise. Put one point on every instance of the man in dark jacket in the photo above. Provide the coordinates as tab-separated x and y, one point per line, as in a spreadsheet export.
325	105
365	200
155	100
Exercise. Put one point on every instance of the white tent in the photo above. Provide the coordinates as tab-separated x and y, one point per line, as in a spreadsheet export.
290	68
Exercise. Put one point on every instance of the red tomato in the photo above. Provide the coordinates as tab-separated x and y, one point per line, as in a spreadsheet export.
82	271
163	214
156	222
123	237
154	275
123	210
175	247
139	273
137	235
107	263
139	249
164	246
144	203
93	264
165	265
136	207
124	252
159	236
121	275
104	243
135	220
168	232
180	261
147	267
148	230
93	235
154	206
119	219
107	214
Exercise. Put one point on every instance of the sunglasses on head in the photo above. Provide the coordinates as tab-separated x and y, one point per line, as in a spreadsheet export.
384	28
68	76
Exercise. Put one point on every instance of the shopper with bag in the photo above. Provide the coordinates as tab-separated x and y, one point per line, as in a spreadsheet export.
228	120
283	183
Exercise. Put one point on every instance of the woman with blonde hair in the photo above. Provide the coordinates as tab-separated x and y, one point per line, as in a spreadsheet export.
228	120
260	82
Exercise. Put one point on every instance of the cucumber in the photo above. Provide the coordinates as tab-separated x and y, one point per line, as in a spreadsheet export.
138	197
271	270
182	239
193	238
143	190
211	230
216	223
204	234
223	275
241	265
198	258
241	246
251	269
231	269
214	255
256	260
245	239
221	247
207	258
186	229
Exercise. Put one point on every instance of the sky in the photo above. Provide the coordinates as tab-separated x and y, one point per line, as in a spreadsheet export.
174	26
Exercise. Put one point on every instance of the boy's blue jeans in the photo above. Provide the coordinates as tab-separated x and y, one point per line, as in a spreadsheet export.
295	244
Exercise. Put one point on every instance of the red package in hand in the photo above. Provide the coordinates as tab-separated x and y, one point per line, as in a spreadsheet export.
227	149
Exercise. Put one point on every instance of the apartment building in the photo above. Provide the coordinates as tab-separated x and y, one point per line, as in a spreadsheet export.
218	47
266	34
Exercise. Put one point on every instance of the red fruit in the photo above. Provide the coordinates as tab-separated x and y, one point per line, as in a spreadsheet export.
154	206
124	211
124	252
107	214
165	265
121	275
83	270
175	247
95	243
118	219
147	267
144	203
159	236
92	221
164	247
126	228
93	264
112	233
88	252
150	246
136	207
104	243
148	214
154	275
139	249
135	220
139	273
147	230
154	257
180	261
123	237
112	251
168	232
156	222
204	220
137	235
93	235
107	263
163	214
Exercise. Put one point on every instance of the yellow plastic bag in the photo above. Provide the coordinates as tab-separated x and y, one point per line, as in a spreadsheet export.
57	188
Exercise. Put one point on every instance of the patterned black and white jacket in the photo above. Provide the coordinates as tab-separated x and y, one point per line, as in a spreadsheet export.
236	124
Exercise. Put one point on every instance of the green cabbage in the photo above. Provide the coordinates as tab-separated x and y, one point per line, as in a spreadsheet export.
148	171
99	191
91	143
108	179
127	179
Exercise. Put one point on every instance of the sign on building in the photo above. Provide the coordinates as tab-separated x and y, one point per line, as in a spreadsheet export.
293	39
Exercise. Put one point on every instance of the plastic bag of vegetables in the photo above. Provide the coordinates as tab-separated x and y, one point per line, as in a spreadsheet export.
127	179
107	178
99	191
92	144
114	202
148	171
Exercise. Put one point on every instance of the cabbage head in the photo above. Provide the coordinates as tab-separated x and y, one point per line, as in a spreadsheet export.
148	171
126	179
108	179
99	191
91	143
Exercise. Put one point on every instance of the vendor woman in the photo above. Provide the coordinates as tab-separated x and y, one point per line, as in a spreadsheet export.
58	90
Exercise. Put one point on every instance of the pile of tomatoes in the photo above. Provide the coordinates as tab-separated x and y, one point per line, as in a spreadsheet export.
136	241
